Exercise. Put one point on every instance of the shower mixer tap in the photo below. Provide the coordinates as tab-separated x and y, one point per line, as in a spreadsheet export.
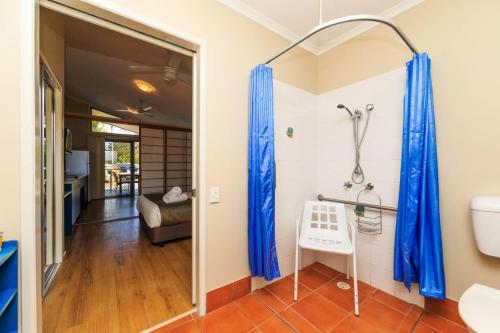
347	184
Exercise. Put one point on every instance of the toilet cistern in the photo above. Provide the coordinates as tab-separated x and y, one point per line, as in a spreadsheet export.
486	223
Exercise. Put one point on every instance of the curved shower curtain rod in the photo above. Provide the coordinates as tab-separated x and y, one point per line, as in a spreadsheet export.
345	19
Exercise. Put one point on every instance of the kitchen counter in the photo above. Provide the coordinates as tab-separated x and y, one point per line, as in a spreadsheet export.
71	180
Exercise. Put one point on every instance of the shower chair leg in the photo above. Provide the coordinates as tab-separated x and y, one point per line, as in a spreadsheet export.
355	276
348	267
355	271
300	259
297	255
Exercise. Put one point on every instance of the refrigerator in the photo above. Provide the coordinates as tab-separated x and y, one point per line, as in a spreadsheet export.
77	163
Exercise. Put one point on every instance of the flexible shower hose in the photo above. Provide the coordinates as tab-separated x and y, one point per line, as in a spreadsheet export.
358	176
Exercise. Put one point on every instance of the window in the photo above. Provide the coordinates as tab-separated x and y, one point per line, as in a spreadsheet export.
113	128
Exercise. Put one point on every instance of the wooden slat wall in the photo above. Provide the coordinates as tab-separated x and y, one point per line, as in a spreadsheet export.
178	160
165	160
152	148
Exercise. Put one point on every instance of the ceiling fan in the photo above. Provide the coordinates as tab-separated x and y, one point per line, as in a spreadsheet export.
170	72
139	110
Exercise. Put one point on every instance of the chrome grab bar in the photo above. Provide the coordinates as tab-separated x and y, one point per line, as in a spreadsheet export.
354	203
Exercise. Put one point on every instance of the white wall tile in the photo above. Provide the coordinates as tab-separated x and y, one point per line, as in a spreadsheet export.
320	158
295	168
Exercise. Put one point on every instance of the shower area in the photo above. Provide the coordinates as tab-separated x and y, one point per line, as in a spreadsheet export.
356	145
343	144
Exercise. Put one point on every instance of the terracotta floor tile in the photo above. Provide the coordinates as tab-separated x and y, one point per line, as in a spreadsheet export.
318	310
190	327
311	278
392	301
254	309
344	298
363	288
441	324
353	324
328	271
270	300
445	308
299	322
408	324
174	324
275	325
423	328
283	289
225	319
415	312
380	316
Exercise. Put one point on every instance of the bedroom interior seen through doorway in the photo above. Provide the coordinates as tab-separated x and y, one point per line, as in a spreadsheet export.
140	143
121	159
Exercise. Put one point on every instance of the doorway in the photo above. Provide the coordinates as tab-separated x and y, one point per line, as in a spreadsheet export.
131	24
121	167
164	146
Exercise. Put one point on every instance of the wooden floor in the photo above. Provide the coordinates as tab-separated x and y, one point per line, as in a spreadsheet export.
101	210
114	280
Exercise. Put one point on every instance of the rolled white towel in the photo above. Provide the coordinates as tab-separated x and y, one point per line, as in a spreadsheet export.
174	192
175	195
172	199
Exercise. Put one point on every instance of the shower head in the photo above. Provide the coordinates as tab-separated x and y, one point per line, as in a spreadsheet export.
369	107
342	106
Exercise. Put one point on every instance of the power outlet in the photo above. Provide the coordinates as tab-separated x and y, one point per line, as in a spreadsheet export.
214	194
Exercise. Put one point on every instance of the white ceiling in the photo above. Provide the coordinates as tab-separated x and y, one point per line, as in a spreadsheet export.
293	18
97	71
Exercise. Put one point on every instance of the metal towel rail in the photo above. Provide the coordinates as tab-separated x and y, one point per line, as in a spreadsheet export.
354	203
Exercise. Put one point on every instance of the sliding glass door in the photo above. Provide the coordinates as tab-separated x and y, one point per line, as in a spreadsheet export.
47	144
121	168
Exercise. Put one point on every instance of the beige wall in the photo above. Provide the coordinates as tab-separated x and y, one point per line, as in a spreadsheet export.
10	126
52	46
461	38
80	128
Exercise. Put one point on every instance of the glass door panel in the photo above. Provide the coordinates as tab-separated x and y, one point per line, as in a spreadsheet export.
121	168
47	99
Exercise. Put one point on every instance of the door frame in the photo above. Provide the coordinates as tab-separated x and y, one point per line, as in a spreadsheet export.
56	238
118	18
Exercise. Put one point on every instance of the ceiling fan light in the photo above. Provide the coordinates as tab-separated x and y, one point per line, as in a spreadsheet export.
145	86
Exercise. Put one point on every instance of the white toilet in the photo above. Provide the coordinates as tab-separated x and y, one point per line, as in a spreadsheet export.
479	305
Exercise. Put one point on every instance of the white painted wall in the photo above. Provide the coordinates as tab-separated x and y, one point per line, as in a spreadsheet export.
320	158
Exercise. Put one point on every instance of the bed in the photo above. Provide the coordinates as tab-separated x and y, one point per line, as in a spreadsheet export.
164	222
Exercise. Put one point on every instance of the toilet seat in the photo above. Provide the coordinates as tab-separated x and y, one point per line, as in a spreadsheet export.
479	308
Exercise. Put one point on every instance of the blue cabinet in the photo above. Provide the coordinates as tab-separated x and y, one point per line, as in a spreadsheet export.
9	287
75	199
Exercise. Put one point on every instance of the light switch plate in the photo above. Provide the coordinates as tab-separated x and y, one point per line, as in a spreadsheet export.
214	194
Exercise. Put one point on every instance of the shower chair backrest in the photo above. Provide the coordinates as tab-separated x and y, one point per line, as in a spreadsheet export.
324	222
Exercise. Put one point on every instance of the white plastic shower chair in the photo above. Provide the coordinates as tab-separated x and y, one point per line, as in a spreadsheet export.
325	228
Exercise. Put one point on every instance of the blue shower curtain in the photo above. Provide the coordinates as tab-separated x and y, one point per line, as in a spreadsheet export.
261	239
418	253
